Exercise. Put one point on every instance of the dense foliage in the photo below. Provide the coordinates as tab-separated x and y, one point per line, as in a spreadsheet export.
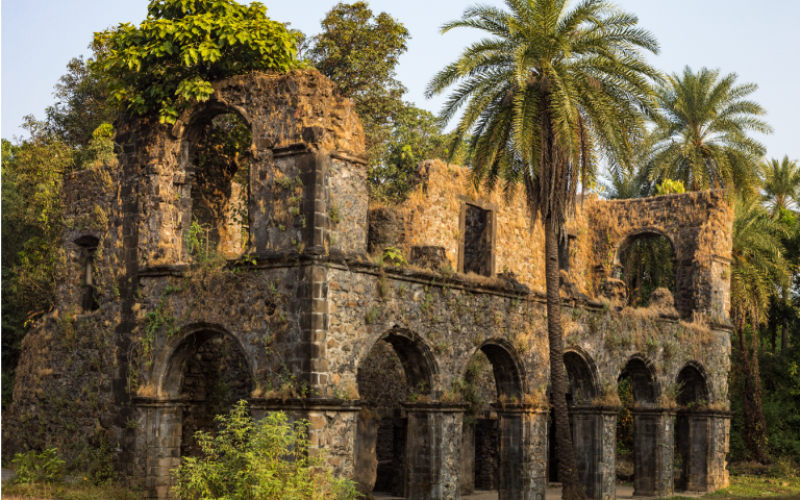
170	59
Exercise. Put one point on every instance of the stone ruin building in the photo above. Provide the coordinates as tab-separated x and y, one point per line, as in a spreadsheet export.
150	339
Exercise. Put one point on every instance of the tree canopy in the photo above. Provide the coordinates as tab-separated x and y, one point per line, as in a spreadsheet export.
171	58
701	134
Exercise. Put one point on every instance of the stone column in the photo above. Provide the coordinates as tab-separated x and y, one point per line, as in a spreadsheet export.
468	459
433	450
594	431
159	432
523	452
653	434
703	439
332	429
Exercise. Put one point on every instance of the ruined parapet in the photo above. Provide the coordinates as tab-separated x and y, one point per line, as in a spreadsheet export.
307	179
698	227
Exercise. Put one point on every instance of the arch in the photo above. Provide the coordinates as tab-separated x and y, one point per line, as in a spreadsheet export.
640	233
215	194
642	373
693	382
168	370
584	381
509	371
415	355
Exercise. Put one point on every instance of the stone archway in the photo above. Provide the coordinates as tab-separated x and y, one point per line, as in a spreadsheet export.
188	375
646	259
653	430
593	428
692	429
399	367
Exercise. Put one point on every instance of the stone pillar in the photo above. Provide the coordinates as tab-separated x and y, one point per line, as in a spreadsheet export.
332	429
158	443
653	434
523	452
594	435
433	449
703	439
468	459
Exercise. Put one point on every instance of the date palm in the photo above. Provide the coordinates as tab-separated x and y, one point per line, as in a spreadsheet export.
701	131
544	94
781	187
758	271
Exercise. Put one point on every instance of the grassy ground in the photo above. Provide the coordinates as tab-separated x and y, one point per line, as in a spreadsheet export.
76	491
743	487
749	487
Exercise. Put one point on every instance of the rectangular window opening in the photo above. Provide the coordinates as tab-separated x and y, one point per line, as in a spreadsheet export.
477	241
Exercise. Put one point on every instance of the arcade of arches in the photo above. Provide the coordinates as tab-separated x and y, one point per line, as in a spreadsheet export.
424	379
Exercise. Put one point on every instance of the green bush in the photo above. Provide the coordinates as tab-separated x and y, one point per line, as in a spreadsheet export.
33	467
248	460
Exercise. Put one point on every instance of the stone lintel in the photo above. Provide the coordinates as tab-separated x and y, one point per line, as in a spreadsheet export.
517	408
305	404
654	411
594	410
435	407
705	413
145	402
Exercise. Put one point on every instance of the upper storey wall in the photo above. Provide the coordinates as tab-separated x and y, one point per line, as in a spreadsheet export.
307	155
698	225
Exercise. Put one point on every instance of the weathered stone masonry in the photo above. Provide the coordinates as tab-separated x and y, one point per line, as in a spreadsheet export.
302	308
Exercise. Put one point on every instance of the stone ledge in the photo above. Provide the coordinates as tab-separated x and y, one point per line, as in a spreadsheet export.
435	406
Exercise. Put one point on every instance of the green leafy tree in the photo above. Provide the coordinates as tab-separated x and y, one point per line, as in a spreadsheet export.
83	105
701	134
171	59
548	90
781	186
758	271
416	136
264	460
359	52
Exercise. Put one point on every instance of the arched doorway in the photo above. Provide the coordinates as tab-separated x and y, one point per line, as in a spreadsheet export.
692	431
197	375
592	428
493	375
652	429
215	160
398	368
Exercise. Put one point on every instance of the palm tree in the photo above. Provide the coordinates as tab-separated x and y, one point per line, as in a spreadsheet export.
544	94
701	131
757	267
781	188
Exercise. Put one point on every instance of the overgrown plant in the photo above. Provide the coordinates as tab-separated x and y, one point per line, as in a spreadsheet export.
169	60
267	459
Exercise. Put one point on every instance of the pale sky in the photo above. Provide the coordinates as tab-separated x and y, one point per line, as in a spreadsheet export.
760	41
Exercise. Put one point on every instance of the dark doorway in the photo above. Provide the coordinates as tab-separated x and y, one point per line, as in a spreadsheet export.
215	377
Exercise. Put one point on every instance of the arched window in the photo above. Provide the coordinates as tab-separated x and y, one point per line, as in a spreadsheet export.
217	166
647	262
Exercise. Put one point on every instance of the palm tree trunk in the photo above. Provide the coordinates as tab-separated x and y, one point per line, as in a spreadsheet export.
567	468
755	426
785	339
